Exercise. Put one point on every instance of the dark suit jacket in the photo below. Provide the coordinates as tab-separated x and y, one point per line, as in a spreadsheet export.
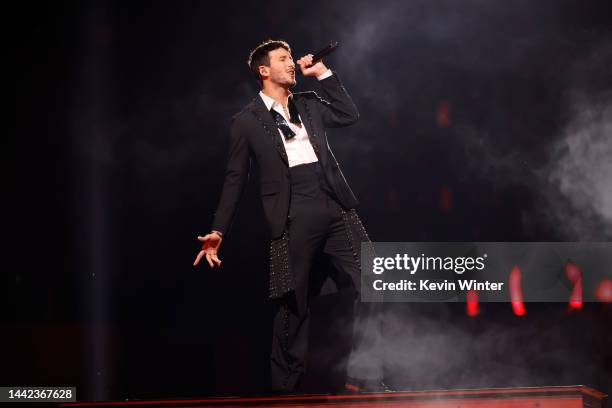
255	136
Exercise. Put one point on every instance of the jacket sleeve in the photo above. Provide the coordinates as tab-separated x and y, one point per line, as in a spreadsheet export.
336	106
236	175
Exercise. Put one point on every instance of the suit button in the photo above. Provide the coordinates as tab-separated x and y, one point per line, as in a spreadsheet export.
287	174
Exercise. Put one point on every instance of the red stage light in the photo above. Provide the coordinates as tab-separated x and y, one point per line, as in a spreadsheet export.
472	307
572	271
516	294
575	302
574	275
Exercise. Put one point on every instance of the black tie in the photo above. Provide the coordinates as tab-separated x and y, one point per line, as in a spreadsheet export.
282	124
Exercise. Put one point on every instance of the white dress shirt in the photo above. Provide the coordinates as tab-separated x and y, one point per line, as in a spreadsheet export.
298	148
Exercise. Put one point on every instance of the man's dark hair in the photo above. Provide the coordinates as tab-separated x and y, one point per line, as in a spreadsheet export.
259	56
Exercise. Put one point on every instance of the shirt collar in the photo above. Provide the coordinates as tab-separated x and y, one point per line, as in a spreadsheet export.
269	102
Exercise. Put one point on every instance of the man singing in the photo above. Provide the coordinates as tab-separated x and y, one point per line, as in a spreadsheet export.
308	205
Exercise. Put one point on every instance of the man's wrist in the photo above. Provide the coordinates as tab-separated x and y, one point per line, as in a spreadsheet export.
326	74
220	234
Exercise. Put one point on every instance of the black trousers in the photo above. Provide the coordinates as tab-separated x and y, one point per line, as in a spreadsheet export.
318	227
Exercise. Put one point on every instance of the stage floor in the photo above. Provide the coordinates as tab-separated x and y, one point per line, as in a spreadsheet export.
518	397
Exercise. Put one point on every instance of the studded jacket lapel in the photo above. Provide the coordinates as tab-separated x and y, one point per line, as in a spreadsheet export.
264	119
306	115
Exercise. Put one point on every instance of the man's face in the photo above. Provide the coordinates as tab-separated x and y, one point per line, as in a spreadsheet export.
282	68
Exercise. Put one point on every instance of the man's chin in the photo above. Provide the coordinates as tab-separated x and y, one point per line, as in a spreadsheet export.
287	83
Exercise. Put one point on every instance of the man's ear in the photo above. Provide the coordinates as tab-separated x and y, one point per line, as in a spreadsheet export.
264	71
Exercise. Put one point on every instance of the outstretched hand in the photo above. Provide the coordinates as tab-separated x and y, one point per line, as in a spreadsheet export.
211	245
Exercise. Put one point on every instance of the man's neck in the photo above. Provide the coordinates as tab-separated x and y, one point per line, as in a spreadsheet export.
278	93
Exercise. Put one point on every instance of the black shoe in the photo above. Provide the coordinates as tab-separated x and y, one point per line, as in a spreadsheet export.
366	385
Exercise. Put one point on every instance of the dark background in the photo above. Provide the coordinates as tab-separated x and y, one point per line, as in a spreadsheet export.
480	121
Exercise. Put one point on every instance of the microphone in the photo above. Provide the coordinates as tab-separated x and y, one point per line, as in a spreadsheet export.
318	56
